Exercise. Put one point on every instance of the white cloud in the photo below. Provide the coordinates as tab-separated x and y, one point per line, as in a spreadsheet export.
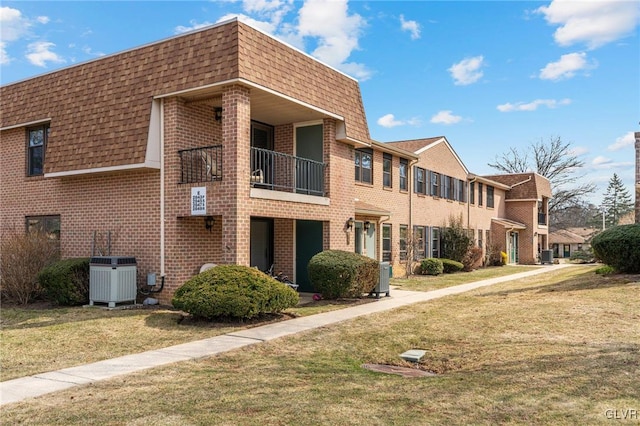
467	71
4	57
599	160
445	117
389	121
566	67
194	26
412	26
43	19
595	23
265	26
578	150
12	24
336	31
533	105
39	53
622	142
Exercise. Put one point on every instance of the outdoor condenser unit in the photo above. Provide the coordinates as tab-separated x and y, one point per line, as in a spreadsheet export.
383	281
546	256
112	279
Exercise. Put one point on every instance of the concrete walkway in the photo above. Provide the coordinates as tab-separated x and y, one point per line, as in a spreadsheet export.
44	383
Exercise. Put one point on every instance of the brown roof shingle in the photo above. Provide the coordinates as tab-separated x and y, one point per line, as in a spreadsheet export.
100	110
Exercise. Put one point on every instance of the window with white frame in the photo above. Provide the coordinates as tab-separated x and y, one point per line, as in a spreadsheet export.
37	138
403	241
420	186
402	169
386	242
479	194
435	177
419	242
364	165
387	160
490	191
435	242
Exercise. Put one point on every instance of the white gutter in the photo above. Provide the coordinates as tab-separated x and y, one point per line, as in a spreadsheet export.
162	236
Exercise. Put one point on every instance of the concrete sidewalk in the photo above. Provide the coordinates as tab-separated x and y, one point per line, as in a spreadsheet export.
44	383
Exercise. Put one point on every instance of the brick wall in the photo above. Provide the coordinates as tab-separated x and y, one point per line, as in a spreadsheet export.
124	204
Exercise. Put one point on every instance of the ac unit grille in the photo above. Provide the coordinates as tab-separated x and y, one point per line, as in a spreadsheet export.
112	279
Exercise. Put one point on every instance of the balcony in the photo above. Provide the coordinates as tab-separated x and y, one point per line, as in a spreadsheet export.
282	172
201	164
542	218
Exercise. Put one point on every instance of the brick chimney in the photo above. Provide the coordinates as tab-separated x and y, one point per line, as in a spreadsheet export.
637	134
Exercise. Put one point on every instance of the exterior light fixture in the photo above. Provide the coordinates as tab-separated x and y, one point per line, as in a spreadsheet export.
217	111
349	224
208	223
367	225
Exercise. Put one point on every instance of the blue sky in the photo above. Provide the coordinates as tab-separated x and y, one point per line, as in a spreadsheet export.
489	76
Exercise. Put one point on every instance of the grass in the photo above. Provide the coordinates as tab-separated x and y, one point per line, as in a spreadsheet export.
39	340
559	348
429	282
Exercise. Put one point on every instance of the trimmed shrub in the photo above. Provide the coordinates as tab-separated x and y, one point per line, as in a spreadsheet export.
605	270
619	247
581	256
23	256
66	282
431	266
337	274
233	291
473	259
451	266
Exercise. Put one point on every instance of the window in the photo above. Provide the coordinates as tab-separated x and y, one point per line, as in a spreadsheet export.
387	160
479	194
386	243
446	183
490	190
435	242
37	138
404	166
419	242
403	241
480	238
487	239
420	186
434	184
48	225
472	192
364	165
462	196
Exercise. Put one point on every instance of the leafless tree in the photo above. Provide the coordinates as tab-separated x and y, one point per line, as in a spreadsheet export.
554	160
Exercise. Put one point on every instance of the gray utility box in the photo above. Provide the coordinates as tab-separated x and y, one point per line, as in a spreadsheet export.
546	256
383	281
112	279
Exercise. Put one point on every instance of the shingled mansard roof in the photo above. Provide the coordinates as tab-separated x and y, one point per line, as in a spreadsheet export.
100	111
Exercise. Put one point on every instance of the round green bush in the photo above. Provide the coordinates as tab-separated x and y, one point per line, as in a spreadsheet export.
431	266
619	247
233	291
66	281
340	274
451	266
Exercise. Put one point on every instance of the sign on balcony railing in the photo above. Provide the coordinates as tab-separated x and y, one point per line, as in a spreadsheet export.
201	164
282	172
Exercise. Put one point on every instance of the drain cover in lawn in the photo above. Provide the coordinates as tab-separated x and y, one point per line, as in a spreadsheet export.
401	371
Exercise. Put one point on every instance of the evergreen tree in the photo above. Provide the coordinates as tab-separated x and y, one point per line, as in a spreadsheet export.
616	202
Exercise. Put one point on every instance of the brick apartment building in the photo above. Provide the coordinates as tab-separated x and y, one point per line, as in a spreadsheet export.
637	135
225	145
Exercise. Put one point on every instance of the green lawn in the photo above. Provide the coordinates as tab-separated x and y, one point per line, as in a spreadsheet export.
560	348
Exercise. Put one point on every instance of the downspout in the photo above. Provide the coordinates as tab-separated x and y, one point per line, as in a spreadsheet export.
162	201
469	201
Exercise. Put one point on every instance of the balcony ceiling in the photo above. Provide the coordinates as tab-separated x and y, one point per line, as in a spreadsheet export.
266	107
